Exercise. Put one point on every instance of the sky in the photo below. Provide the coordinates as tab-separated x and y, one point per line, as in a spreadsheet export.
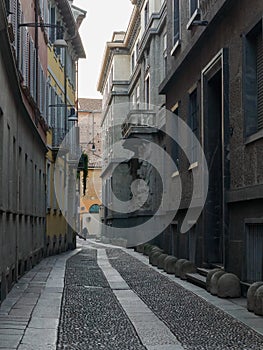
102	19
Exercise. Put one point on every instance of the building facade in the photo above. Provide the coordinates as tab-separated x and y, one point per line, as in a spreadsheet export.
200	60
62	97
91	145
35	102
23	141
132	108
213	82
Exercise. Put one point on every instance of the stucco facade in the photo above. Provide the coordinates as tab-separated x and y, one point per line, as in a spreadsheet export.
128	83
62	191
22	161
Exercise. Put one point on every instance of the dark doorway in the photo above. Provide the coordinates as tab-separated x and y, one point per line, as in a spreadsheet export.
213	149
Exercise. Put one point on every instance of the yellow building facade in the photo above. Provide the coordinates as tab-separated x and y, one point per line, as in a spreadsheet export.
62	93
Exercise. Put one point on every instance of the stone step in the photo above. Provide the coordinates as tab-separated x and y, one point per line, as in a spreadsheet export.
196	279
217	266
202	271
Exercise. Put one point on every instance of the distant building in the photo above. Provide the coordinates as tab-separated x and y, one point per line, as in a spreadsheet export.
89	122
132	108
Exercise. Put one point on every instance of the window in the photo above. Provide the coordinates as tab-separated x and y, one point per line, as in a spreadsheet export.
193	6
48	186
146	14
94	209
52	20
176	22
193	124
147	91
254	252
132	62
253	78
174	145
137	50
138	97
165	51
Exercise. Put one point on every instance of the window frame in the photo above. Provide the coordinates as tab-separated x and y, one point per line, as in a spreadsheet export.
147	86
252	131
176	39
196	129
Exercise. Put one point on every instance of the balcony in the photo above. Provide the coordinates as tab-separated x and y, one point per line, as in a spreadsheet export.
209	8
139	122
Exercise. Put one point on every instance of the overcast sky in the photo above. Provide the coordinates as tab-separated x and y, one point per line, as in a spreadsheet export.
102	19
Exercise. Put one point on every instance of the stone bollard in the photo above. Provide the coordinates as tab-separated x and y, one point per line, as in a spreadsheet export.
187	267
154	250
258	308
251	295
160	260
214	281
139	248
146	248
169	264
229	286
209	276
154	258
178	266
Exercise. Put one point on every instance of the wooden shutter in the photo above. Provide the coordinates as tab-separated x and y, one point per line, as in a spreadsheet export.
31	66
14	21
26	59
260	79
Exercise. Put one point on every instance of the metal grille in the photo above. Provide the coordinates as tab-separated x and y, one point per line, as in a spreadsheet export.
254	248
260	79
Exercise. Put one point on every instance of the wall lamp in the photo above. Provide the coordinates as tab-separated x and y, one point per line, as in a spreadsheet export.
73	117
42	25
93	147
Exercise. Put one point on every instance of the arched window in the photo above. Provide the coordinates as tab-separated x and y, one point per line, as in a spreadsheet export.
94	209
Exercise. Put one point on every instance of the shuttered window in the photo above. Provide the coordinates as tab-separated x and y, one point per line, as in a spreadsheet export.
31	66
254	252
176	22
13	11
260	79
253	82
193	124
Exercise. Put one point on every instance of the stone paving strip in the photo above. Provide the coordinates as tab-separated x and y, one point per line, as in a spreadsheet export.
236	307
154	334
197	324
92	318
29	315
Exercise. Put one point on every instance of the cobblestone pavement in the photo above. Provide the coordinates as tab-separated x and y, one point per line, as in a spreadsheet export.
197	324
92	317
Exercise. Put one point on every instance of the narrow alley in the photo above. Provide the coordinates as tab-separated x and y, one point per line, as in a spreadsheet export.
105	297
